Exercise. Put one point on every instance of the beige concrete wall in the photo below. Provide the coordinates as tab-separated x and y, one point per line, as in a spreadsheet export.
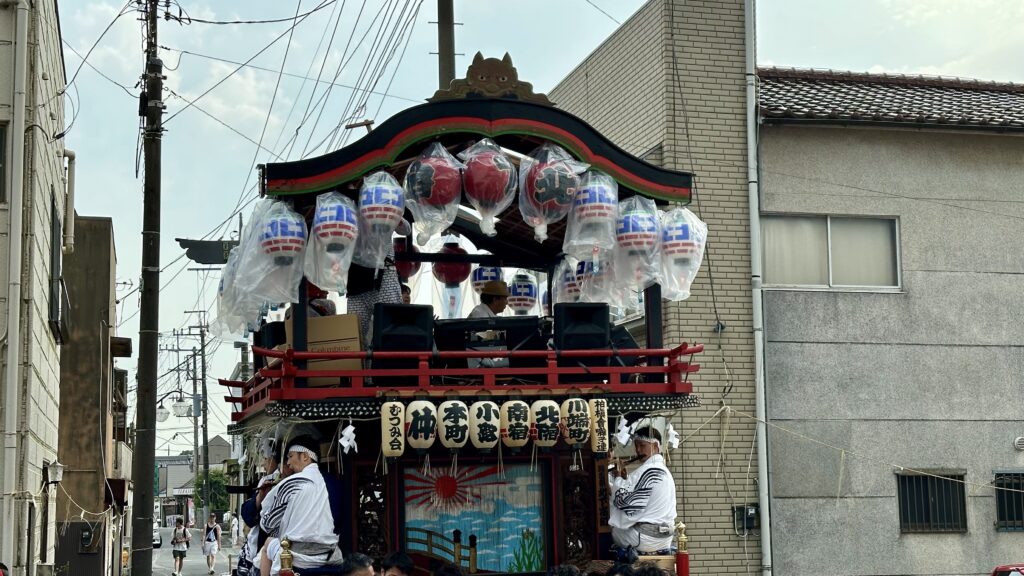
673	62
43	175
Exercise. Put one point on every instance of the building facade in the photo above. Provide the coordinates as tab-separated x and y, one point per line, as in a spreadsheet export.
668	86
33	235
892	219
93	438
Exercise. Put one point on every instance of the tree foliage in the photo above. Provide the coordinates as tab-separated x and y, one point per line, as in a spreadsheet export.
218	490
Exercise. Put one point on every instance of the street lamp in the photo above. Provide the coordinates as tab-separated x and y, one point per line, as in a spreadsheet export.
54	473
180	407
161	413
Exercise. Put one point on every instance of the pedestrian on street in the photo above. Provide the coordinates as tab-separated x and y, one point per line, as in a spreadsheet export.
179	545
211	543
235	530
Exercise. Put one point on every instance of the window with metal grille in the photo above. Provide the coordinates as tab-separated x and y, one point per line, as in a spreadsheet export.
1009	501
932	503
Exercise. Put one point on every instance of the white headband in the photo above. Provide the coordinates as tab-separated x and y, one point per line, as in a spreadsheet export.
648	439
303	450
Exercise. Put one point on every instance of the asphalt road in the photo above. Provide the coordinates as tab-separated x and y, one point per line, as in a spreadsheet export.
195	562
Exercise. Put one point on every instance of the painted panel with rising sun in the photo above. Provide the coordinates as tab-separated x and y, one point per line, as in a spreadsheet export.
504	512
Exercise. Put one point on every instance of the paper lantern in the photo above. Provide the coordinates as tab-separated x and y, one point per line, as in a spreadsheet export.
545	302
335	222
515	423
454	425
522	294
595	209
381	202
434	178
638	231
598	425
575	416
392	429
547	188
421	424
489	181
683	236
484	274
283	235
567	288
451	274
484	424
405	268
546	418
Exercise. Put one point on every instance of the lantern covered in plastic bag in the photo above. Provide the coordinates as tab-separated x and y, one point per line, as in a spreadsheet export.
489	181
682	250
484	424
484	274
515	424
283	235
548	179
451	274
595	209
433	185
522	294
638	236
335	222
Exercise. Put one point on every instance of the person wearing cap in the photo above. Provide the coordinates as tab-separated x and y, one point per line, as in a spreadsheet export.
643	502
493	300
295	510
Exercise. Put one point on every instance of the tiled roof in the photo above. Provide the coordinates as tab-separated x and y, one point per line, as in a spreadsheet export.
788	94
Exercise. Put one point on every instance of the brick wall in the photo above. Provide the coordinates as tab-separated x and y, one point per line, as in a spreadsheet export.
673	62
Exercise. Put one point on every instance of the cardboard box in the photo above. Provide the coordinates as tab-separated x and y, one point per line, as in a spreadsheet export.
338	333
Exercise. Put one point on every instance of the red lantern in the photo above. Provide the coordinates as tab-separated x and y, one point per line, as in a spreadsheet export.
451	273
405	268
434	180
490	178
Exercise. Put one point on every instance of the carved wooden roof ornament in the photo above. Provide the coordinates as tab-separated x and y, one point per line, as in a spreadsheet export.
491	78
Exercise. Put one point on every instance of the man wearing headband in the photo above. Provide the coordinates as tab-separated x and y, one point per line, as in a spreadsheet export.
294	510
643	502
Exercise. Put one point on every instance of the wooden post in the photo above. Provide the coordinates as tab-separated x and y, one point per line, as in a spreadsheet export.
472	553
682	554
457	548
286	558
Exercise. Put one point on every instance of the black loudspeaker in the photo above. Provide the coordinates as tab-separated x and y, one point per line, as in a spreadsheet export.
269	335
582	326
401	328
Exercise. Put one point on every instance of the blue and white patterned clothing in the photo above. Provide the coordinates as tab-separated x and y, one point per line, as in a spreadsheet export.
643	507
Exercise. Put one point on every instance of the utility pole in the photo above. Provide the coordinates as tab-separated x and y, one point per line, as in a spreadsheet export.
445	43
144	458
197	407
205	408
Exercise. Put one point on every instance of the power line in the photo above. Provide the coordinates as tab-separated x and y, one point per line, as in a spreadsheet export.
98	71
190	20
122	12
598	8
223	123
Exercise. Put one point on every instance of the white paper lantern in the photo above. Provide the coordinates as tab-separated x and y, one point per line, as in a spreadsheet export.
546	418
454	423
575	416
599	425
515	423
484	424
392	429
421	424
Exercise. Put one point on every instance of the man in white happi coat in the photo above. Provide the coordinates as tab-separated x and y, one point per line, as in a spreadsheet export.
297	509
643	502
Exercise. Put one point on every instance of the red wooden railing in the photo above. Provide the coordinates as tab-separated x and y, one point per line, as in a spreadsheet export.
277	382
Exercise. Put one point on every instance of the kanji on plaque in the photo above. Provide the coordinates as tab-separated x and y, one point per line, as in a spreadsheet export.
546	419
575	421
421	424
454	425
392	429
599	426
484	421
515	423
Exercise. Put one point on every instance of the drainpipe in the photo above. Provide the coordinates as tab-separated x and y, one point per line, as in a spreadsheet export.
12	379
757	302
69	203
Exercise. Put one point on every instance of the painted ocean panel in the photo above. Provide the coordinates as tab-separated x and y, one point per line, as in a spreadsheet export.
504	513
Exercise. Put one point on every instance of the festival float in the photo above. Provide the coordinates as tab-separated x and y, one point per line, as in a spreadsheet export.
494	458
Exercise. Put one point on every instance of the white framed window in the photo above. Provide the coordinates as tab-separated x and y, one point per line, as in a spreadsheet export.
831	251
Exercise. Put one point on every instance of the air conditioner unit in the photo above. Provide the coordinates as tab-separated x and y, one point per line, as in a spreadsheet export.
1018	443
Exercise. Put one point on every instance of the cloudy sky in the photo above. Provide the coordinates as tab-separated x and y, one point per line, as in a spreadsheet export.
210	148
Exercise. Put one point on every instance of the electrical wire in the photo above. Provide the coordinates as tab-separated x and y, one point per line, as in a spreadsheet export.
191	20
598	8
223	123
127	90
